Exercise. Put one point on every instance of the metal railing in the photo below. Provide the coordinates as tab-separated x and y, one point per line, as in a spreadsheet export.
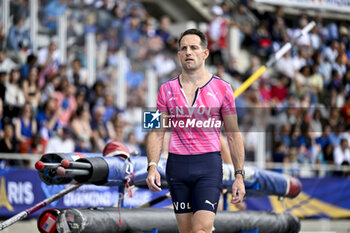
32	158
302	170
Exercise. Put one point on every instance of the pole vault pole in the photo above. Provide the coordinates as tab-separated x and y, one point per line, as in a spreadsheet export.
272	60
29	211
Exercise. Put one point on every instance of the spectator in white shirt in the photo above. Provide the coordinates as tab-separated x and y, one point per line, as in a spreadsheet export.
285	66
342	152
6	64
331	53
14	96
304	40
77	75
339	66
61	143
48	55
300	60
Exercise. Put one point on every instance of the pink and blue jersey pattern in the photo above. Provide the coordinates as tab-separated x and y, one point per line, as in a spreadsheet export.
195	129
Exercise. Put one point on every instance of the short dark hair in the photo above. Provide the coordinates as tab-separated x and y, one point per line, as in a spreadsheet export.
194	31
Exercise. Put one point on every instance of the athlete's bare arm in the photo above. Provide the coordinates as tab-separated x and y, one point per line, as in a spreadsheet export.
225	153
154	146
235	143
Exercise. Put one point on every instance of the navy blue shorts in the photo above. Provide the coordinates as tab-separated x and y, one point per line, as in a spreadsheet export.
195	181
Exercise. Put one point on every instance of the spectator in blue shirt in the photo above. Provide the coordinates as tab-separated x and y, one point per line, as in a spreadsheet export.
132	30
52	11
279	155
31	62
335	137
135	77
163	30
19	37
324	139
48	123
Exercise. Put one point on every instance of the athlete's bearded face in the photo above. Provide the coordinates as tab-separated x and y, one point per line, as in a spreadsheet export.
191	54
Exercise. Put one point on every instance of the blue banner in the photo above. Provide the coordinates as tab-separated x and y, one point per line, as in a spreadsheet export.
320	198
20	189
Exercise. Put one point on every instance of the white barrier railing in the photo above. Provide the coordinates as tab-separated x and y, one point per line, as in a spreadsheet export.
90	41
152	88
34	25
5	10
305	169
33	158
121	85
62	37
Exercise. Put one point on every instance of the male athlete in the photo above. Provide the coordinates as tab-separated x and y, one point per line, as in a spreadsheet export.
194	102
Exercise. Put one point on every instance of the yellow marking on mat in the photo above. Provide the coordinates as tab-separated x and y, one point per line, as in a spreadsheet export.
304	206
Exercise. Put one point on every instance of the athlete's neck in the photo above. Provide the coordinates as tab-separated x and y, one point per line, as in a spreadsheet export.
195	78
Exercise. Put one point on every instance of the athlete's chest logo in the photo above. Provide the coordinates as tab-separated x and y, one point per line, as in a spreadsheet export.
213	96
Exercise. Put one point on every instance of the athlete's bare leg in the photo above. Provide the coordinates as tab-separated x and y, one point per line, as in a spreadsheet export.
203	221
184	222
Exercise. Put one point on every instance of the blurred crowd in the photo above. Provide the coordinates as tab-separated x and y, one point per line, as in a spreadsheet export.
303	102
49	106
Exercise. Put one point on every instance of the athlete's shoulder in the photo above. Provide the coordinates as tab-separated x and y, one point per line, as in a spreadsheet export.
171	82
221	84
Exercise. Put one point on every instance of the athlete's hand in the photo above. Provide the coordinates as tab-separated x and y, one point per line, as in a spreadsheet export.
153	179
238	190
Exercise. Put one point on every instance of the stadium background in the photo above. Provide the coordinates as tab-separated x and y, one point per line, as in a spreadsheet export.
77	74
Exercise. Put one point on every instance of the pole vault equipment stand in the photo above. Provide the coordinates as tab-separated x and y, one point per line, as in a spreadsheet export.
85	168
258	182
114	171
56	168
103	220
